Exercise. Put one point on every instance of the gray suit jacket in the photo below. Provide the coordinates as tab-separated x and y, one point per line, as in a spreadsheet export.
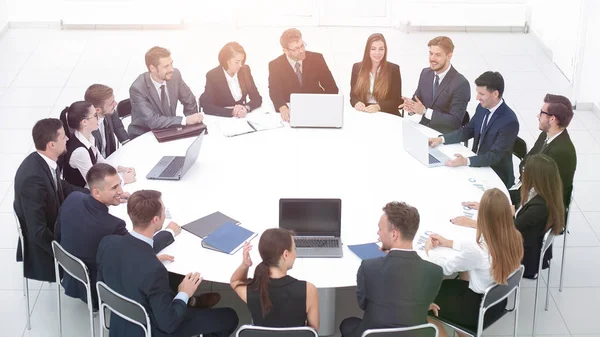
146	109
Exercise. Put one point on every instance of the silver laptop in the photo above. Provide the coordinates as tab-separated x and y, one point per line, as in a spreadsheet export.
417	144
316	110
174	167
317	224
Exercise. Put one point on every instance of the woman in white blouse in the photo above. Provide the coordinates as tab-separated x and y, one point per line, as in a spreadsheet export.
79	120
495	253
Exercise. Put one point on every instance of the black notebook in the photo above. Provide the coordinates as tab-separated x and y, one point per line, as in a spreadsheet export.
204	226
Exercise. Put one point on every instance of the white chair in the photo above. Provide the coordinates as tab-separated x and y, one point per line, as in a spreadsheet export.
79	271
261	331
545	247
417	330
122	306
25	280
566	232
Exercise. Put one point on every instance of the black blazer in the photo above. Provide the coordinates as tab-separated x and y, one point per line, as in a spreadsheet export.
531	221
396	290
563	152
394	95
82	223
130	267
113	126
36	204
217	95
450	102
316	79
497	141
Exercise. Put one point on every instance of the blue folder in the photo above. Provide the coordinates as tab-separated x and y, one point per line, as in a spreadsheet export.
366	251
228	238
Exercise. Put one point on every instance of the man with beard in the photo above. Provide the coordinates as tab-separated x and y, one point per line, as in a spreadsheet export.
39	192
443	93
396	290
297	71
154	96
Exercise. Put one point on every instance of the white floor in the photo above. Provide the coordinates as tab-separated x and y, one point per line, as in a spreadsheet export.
43	70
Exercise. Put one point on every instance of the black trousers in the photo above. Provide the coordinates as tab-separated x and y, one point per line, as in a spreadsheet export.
219	322
349	326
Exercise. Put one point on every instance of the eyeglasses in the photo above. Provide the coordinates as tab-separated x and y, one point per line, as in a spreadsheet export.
95	115
299	48
546	113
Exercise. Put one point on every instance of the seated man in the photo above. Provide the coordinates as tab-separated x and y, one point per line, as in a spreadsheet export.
39	192
396	290
443	93
494	129
297	71
109	123
128	264
84	220
154	96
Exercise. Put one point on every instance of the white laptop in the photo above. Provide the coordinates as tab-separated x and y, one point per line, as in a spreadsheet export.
316	110
417	144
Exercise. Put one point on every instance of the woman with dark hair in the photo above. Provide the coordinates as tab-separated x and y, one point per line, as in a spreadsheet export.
376	84
79	120
274	298
229	85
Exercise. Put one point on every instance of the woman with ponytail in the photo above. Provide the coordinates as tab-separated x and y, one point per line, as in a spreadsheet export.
274	298
79	120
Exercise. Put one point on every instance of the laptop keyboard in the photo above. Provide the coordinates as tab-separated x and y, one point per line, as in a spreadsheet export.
316	243
174	167
433	160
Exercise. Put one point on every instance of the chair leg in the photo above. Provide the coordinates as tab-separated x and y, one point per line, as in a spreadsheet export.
91	310
517	299
535	302
548	284
27	311
562	266
58	299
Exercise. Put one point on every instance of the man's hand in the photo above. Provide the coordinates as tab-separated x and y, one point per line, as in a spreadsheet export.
165	257
464	221
246	260
128	177
194	119
439	241
285	113
174	227
408	105
433	142
373	108
458	161
471	204
239	111
190	283
435	308
360	106
418	107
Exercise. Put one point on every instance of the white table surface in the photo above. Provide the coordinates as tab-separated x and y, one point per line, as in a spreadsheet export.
244	177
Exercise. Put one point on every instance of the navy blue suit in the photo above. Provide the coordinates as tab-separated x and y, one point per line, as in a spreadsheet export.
497	140
82	222
130	267
450	102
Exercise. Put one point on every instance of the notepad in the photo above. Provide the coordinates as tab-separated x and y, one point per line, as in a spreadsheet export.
228	238
234	126
208	224
366	251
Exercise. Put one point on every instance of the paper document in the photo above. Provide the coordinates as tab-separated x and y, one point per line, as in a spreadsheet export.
234	126
264	121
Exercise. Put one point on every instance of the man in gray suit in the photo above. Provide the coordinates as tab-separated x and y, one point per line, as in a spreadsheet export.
396	290
154	96
443	93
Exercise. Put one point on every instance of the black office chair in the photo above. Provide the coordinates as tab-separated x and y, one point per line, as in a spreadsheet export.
124	108
520	148
429	330
464	122
261	331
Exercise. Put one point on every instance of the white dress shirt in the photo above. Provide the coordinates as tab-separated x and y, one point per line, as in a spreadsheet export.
548	140
234	85
293	64
370	98
52	165
102	135
532	194
158	90
429	112
80	158
471	258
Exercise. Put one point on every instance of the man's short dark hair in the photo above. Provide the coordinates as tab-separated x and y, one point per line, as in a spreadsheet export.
561	108
403	218
44	131
154	55
96	174
491	80
142	206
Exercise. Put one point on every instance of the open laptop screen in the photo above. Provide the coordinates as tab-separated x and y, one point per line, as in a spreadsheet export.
311	217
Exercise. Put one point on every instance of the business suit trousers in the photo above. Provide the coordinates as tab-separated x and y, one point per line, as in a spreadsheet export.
220	322
349	326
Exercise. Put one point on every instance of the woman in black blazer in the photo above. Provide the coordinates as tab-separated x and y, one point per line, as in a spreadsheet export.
376	84
229	85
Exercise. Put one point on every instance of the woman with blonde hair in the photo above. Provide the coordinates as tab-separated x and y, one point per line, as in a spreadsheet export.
376	84
495	254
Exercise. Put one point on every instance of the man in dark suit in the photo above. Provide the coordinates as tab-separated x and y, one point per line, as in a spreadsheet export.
154	96
396	290
84	220
109	123
297	71
443	93
39	192
128	264
494	129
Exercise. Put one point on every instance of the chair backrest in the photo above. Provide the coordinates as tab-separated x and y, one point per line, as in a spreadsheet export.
548	242
423	330
71	264
520	148
466	119
122	306
124	108
261	331
499	292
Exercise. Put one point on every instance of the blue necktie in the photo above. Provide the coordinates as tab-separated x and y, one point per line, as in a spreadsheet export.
483	127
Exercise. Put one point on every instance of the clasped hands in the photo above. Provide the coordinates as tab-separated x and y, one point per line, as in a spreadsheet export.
412	107
360	106
239	111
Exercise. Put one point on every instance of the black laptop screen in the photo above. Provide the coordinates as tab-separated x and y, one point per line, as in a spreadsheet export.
311	217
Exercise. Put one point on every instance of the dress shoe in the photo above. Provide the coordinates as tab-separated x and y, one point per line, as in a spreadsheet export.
204	301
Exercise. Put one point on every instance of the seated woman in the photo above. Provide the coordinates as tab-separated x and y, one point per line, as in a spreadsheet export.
79	120
495	253
274	298
229	85
376	84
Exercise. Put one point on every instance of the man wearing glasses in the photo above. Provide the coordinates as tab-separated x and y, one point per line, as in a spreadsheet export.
297	71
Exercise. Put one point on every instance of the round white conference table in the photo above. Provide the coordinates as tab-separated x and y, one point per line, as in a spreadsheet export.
363	163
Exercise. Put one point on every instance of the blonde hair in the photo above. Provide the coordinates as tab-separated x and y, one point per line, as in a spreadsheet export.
289	36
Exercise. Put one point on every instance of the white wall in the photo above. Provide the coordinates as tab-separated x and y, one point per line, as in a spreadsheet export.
3	14
34	10
587	90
